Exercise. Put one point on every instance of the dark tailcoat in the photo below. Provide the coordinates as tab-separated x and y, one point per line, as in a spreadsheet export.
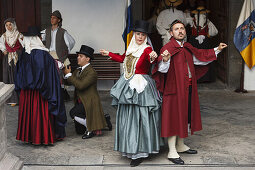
85	84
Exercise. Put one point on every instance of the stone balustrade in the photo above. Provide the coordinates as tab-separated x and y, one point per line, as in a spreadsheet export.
7	160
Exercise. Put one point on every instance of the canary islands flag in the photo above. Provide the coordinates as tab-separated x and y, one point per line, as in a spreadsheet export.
128	33
244	37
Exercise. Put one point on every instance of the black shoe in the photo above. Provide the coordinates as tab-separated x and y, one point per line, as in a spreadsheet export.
108	121
136	162
88	135
178	161
190	151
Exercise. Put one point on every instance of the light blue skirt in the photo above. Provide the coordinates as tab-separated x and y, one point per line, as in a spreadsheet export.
138	119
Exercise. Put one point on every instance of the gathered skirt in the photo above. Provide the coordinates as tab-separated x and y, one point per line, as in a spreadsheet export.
35	123
8	78
138	119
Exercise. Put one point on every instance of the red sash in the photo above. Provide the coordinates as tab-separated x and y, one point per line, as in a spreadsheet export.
13	49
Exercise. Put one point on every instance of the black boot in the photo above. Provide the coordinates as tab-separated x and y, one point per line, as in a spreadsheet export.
136	162
108	121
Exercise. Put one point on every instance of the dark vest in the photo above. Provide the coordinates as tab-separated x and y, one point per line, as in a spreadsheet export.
61	47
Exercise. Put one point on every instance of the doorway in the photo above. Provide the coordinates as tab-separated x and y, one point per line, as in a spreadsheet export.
218	16
25	14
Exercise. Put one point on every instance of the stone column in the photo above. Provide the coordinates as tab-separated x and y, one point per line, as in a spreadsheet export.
7	160
234	57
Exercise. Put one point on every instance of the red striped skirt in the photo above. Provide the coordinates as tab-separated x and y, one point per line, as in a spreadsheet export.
36	124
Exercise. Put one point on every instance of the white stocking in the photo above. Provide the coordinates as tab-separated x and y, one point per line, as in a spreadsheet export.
180	146
172	149
80	120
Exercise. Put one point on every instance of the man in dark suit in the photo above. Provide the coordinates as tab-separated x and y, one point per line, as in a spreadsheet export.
87	113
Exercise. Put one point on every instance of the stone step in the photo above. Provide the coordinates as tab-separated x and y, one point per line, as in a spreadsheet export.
10	161
141	167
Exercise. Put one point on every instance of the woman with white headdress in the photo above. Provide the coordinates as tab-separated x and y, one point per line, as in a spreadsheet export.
138	106
11	46
42	115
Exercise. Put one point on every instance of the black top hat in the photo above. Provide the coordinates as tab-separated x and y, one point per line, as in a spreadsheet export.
86	50
32	31
141	26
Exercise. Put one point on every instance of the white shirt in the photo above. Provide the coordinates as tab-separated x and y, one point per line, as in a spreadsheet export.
70	74
164	66
165	19
69	40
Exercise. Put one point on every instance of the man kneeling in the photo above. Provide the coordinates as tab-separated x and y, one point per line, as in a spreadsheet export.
87	113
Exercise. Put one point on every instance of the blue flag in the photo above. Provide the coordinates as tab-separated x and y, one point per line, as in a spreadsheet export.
128	33
245	33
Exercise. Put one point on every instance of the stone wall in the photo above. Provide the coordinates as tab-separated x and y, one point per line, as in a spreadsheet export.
234	57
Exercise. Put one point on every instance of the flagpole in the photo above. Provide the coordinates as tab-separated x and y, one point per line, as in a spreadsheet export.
241	88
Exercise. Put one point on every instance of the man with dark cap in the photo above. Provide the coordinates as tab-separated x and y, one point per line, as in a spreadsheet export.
176	79
59	42
88	109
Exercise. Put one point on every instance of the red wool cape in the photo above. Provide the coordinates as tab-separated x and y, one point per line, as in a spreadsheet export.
174	85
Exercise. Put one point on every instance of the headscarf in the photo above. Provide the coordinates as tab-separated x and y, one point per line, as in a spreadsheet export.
13	35
33	42
135	49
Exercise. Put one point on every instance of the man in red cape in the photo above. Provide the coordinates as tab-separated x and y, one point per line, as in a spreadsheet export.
176	79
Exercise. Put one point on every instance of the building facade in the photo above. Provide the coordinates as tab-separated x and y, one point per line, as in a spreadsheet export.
224	14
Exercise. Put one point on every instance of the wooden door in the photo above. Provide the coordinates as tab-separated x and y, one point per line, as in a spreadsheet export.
218	16
26	13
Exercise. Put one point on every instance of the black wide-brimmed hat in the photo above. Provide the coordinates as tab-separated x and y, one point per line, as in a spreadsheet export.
32	31
141	26
86	50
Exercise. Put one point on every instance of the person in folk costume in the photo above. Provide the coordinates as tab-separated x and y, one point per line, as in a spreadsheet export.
42	115
11	44
59	42
87	113
138	105
202	27
201	35
167	16
176	79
